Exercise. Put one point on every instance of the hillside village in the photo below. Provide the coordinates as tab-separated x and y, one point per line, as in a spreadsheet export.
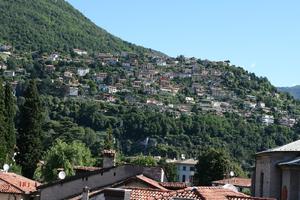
176	85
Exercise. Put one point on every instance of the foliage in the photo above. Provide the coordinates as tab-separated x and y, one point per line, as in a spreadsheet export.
10	112
65	156
48	25
3	131
212	165
109	140
170	170
29	141
141	160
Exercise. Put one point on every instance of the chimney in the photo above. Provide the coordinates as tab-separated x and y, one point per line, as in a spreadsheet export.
85	193
109	158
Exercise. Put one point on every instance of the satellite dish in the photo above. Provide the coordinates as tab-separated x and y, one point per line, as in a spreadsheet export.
5	167
231	174
62	175
230	187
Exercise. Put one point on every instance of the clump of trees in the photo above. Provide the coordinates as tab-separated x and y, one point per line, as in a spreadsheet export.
7	125
64	156
215	164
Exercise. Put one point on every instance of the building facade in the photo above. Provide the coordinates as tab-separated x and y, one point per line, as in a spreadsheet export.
185	170
277	173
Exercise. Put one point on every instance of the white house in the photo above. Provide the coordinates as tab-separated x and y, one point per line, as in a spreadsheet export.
80	52
267	119
83	71
185	169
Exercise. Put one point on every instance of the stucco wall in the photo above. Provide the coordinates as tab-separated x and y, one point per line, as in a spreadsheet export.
75	187
267	164
4	196
66	189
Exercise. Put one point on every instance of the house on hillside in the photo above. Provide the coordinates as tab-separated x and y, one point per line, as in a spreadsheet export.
80	52
277	172
82	71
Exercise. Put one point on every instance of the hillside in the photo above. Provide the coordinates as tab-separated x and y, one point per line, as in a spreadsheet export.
294	91
54	25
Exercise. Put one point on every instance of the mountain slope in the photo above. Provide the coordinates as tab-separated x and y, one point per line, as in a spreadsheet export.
294	91
54	25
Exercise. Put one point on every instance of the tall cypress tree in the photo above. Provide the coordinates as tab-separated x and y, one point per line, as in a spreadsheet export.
10	112
29	139
3	151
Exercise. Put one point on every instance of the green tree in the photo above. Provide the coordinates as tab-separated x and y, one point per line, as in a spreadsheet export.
141	160
170	170
212	165
109	140
66	156
30	135
10	112
3	149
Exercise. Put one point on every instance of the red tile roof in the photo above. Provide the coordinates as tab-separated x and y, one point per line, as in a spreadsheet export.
173	185
150	194
217	193
14	183
7	188
197	193
150	182
239	182
248	198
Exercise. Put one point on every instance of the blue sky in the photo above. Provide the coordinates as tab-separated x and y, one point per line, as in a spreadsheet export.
263	36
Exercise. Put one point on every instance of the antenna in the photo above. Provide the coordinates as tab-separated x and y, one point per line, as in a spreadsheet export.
5	168
62	175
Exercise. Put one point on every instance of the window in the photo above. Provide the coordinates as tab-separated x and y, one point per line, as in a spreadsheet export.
261	185
183	178
192	169
184	168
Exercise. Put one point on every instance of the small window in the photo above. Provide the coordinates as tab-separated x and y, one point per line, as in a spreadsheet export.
184	168
183	178
192	169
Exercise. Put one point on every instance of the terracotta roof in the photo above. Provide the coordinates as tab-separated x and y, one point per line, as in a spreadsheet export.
150	194
7	188
18	184
239	182
173	185
196	193
247	198
150	182
217	193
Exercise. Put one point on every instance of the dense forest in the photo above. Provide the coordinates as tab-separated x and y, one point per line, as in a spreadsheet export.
54	25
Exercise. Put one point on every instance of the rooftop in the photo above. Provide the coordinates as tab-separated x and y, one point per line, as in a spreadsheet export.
239	182
293	146
14	183
186	161
295	162
196	193
173	185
